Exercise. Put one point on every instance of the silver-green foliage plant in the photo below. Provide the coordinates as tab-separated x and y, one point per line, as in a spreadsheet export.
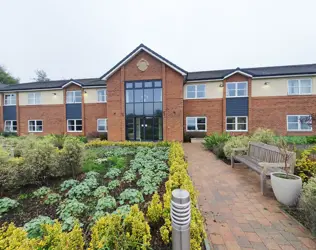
129	176
123	210
131	196
307	204
91	180
41	192
34	226
112	173
235	142
80	191
67	184
7	204
52	198
69	223
113	184
101	192
71	208
106	203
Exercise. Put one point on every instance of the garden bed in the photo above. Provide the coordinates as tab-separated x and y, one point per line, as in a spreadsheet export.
125	183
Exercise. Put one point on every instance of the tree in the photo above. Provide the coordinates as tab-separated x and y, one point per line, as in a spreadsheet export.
41	76
6	77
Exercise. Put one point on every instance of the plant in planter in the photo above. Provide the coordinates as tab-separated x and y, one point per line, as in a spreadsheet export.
286	186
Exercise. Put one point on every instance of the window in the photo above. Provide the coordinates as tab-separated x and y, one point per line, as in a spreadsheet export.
236	123
300	87
101	95
102	125
236	89
74	125
73	96
196	91
9	99
196	123
34	98
36	126
299	123
10	126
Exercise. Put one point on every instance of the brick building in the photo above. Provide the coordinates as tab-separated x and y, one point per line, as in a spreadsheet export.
147	97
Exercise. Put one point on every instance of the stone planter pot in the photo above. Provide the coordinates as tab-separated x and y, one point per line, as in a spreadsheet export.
286	191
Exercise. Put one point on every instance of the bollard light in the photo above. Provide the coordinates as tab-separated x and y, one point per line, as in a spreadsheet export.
180	218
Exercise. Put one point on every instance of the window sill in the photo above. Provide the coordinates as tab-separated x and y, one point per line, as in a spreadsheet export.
300	130
236	96
9	105
200	98
196	131
35	131
74	131
298	94
73	102
236	130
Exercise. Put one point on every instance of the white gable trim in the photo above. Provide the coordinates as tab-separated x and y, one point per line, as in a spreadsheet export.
237	72
71	82
134	54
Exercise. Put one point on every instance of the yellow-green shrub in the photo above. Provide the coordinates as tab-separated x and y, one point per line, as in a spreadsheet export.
306	164
115	232
179	178
154	211
99	143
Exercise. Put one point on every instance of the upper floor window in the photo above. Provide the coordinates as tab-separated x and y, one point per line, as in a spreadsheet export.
236	89
196	124
299	123
101	95
102	125
74	96
10	126
236	123
196	91
9	99
300	87
34	98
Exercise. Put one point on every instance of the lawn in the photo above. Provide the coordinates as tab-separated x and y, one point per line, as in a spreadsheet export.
123	184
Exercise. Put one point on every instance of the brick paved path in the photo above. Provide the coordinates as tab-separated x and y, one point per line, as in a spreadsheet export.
236	215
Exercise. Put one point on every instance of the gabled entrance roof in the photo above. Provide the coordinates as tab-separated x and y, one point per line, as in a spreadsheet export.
140	48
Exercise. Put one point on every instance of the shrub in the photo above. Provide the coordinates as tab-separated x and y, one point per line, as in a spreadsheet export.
295	139
266	136
132	196
215	139
67	184
308	204
7	204
101	192
113	184
12	173
57	140
99	143
106	203
154	211
70	208
41	192
34	226
112	173
306	164
235	142
79	191
52	198
218	150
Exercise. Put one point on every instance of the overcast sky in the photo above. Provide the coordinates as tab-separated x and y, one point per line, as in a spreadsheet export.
81	39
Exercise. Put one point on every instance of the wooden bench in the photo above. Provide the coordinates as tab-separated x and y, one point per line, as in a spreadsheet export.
264	159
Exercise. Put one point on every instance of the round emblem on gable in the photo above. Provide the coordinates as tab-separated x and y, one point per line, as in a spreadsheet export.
142	65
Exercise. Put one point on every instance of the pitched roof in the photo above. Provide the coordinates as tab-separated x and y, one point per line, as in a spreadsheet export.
139	48
88	82
302	69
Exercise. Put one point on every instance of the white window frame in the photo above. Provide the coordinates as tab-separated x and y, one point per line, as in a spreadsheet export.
196	124
236	89
236	123
36	125
75	125
299	124
34	97
10	100
106	125
299	86
10	126
100	91
73	96
195	91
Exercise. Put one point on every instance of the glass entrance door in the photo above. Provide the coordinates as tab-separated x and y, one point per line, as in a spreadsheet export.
144	128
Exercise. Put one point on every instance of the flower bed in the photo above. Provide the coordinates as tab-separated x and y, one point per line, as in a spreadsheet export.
123	204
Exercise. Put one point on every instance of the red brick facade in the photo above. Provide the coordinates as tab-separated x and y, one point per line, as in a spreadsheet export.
172	84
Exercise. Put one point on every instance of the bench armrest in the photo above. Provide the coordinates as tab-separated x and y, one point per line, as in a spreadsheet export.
234	150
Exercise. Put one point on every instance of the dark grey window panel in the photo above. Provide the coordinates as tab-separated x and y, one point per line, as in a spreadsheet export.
9	113
237	106
73	111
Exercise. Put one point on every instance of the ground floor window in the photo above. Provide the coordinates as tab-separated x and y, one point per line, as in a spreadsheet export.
299	123
35	126
10	126
74	125
236	123
102	125
196	124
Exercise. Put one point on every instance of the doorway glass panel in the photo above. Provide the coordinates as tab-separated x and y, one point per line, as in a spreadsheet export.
143	107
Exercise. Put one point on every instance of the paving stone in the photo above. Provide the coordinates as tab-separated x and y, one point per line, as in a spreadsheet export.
243	241
246	227
259	246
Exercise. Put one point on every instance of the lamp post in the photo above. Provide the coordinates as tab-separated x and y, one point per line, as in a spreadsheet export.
180	218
